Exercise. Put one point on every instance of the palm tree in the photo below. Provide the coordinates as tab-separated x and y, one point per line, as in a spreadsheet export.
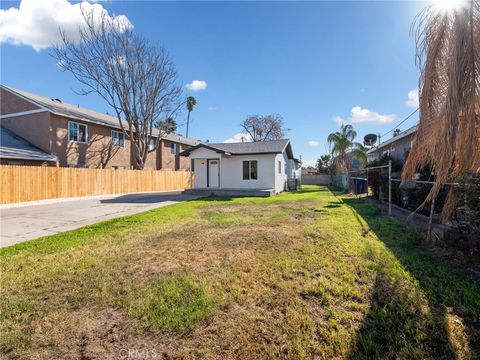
343	147
448	135
191	103
171	125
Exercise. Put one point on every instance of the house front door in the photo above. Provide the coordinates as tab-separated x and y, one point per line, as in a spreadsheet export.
213	172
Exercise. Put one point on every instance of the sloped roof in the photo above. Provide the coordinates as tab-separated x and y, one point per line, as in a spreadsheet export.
394	139
80	113
245	148
13	146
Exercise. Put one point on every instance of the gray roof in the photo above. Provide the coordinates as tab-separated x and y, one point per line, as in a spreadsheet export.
13	146
245	148
80	113
394	139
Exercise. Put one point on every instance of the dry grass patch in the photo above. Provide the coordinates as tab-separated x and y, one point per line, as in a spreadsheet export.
305	274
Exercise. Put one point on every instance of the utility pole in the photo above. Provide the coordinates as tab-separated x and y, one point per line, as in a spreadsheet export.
389	187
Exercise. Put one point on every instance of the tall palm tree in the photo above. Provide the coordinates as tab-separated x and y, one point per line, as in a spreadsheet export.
343	146
191	103
448	135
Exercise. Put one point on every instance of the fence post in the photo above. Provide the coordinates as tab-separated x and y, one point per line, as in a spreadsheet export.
389	187
367	180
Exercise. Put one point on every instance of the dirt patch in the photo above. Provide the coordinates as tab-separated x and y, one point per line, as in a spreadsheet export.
87	334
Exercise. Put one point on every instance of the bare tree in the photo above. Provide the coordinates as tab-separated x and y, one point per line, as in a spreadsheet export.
264	127
136	78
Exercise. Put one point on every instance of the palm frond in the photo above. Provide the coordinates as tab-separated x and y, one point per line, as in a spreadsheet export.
448	136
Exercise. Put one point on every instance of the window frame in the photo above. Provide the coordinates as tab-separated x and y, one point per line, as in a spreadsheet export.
279	167
123	139
249	170
78	132
173	148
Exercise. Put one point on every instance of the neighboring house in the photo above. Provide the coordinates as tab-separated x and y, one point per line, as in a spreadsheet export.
310	170
259	166
80	137
397	146
15	150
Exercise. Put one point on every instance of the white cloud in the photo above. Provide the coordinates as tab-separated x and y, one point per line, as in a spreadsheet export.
196	85
412	100
361	115
313	143
36	23
339	120
238	138
212	108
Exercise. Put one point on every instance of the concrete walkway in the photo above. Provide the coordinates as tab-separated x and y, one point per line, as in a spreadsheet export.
24	223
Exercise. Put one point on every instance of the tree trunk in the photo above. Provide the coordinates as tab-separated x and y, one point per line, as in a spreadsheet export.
430	220
188	122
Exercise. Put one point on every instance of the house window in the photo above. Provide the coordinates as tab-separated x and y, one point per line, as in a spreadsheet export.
118	138
279	167
77	132
250	170
173	148
152	142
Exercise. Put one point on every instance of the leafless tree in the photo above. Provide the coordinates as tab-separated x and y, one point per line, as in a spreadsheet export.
136	78
264	127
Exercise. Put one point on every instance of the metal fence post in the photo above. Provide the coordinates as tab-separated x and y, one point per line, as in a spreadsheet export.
389	187
367	180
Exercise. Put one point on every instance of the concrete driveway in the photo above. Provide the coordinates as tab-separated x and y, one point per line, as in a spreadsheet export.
29	222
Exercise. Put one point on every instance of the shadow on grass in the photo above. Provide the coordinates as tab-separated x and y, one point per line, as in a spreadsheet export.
332	206
399	324
212	199
310	189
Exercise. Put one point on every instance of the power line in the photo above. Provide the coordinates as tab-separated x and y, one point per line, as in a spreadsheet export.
401	122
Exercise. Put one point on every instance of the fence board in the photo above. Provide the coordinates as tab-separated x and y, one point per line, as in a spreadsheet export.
30	183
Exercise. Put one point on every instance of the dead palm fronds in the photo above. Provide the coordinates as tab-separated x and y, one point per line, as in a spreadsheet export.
448	136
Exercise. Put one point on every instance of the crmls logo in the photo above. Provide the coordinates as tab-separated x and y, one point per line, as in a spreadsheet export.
142	353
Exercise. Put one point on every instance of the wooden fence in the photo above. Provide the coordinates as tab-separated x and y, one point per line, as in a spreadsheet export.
29	183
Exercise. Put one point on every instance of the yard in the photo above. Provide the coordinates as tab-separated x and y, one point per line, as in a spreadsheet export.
305	274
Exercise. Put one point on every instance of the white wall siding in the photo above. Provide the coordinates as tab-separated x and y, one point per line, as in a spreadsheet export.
281	178
200	157
232	172
200	173
202	153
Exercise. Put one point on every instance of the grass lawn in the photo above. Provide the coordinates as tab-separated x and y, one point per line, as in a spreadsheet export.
307	274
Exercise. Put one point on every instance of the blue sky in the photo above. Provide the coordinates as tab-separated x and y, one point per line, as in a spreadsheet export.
311	62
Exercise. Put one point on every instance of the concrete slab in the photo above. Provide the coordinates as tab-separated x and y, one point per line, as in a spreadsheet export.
24	223
231	192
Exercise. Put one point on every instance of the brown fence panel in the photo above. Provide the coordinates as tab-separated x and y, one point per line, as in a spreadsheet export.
30	183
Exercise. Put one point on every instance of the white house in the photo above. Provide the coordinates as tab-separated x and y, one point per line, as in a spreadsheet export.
249	168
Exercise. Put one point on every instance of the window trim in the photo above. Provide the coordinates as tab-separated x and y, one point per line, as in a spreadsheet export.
249	170
175	148
86	132
279	167
118	132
